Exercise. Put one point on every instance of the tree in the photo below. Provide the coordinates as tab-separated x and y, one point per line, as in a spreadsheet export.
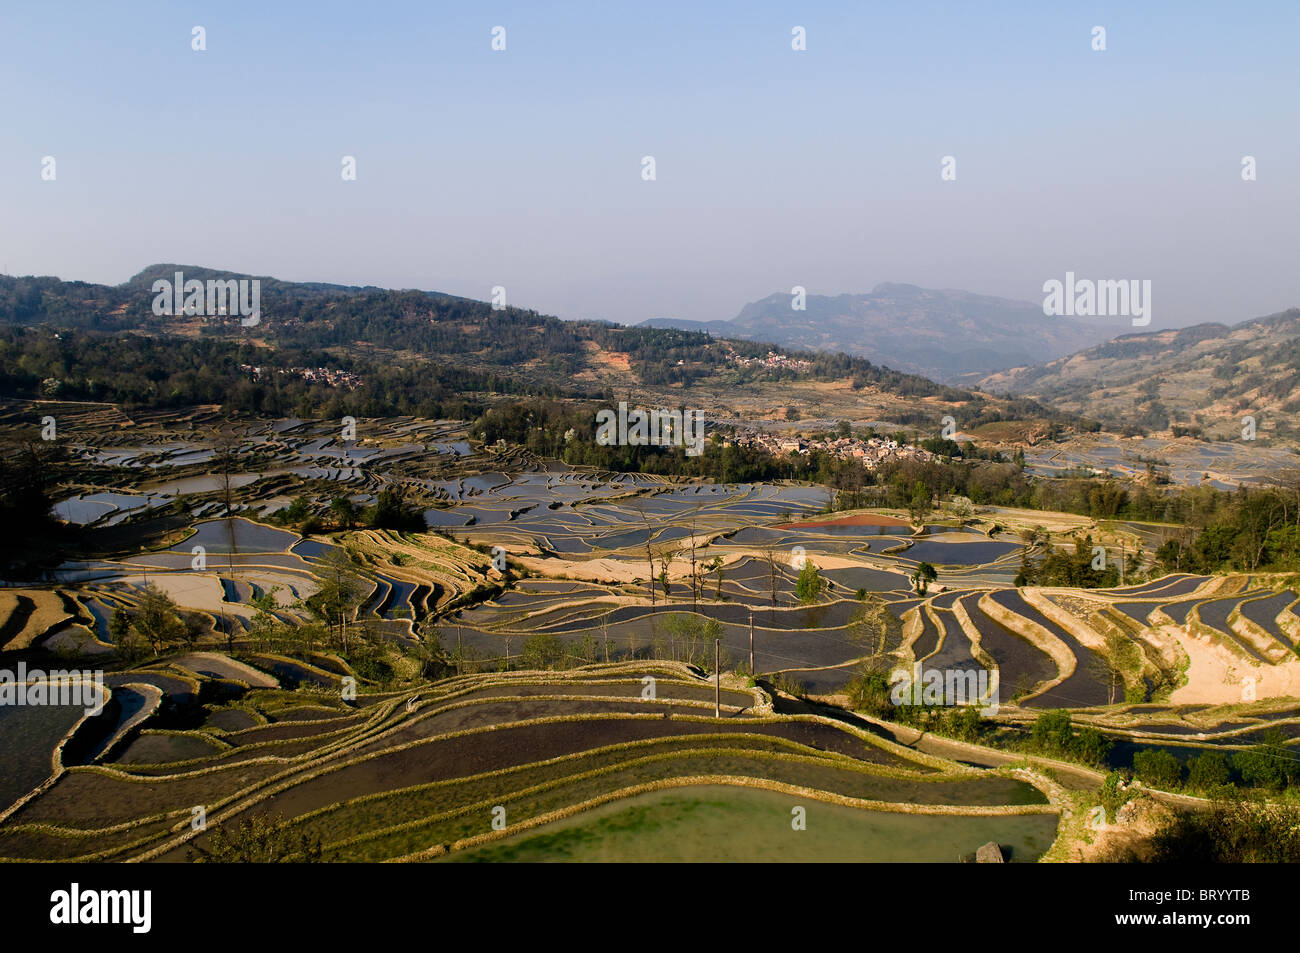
1091	746
119	626
27	475
391	511
716	568
339	589
696	635
918	506
695	588
1232	831
264	626
297	511
1122	655
1170	555
157	620
225	447
772	573
922	577
809	585
542	651
649	553
344	512
873	625
1076	569
1028	573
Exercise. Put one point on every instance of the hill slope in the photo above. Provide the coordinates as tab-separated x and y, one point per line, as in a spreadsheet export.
1208	376
399	351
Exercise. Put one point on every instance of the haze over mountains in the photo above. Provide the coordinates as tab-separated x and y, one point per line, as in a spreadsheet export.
949	336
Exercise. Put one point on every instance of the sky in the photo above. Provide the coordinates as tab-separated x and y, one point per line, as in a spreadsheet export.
523	168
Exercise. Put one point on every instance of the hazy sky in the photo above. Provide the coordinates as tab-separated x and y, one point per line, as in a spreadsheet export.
774	168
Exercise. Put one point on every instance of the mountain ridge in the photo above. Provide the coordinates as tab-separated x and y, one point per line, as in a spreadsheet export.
943	334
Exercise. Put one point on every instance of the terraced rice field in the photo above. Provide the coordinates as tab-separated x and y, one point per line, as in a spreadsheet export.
612	578
417	775
594	527
1022	666
1088	685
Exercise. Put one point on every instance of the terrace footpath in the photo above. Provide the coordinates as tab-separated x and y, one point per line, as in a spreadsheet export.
953	750
1082	778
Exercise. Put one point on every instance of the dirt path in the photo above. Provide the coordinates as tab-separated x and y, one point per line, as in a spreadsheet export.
1074	777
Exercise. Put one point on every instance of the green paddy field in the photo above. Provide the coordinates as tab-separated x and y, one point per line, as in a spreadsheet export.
722	823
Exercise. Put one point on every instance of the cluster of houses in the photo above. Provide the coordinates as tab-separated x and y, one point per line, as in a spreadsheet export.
871	452
773	360
319	375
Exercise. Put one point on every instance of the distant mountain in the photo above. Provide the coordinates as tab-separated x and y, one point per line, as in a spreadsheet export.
948	336
1208	377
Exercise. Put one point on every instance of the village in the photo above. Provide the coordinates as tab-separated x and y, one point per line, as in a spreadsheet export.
870	451
327	375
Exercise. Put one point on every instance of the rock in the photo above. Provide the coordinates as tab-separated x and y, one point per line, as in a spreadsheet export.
990	853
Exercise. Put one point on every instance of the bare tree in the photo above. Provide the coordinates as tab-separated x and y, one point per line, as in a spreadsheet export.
695	596
769	554
649	554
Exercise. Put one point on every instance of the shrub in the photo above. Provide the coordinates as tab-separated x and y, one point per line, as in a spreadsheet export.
1090	746
1268	764
869	692
962	722
1053	731
1208	771
258	839
1112	798
1231	832
1158	768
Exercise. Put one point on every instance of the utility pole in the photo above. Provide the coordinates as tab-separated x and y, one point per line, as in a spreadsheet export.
717	679
1121	562
752	672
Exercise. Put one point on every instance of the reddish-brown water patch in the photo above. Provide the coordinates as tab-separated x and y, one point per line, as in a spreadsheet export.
863	519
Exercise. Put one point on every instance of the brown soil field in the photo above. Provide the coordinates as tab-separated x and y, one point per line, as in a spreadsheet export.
90	799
